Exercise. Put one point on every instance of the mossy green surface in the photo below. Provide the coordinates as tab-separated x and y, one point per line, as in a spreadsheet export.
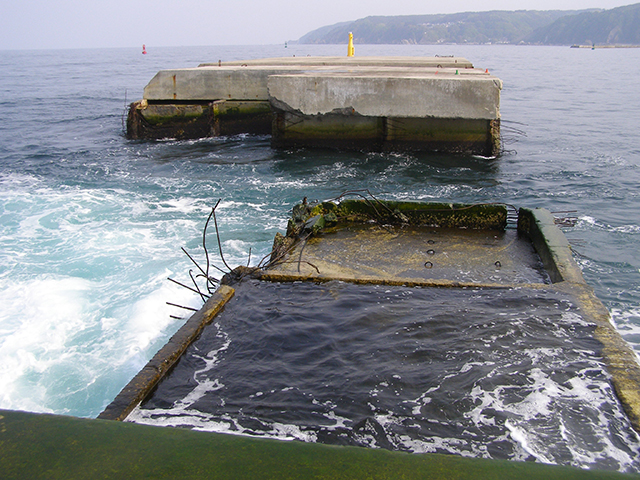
35	446
233	109
167	114
436	214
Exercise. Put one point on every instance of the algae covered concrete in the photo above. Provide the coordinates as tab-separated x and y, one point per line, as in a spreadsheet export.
197	120
37	446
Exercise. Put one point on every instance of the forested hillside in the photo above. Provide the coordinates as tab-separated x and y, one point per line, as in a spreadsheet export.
618	26
552	27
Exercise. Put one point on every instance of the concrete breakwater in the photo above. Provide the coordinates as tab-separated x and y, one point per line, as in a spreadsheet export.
452	248
365	103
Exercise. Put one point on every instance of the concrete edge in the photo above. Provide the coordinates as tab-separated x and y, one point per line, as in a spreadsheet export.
620	359
142	384
38	446
418	282
551	244
358	60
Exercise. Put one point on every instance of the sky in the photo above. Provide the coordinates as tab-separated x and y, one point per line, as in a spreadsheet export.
49	24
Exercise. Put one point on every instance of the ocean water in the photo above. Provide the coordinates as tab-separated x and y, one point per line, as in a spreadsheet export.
491	373
91	224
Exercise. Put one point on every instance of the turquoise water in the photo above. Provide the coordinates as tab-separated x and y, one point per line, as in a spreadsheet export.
91	224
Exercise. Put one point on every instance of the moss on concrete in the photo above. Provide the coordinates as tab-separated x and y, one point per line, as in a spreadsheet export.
333	130
349	130
197	120
446	215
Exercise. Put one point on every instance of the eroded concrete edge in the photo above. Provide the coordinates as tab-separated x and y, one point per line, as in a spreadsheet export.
142	384
620	359
550	244
405	282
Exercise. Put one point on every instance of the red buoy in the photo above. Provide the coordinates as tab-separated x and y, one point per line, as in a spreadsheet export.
144	50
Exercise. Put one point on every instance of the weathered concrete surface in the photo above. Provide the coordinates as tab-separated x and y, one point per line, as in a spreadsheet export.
368	103
249	82
37	446
140	386
438	110
407	94
213	83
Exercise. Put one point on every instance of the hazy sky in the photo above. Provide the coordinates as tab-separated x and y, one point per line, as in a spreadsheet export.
38	24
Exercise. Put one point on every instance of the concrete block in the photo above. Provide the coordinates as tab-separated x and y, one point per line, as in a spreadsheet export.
443	95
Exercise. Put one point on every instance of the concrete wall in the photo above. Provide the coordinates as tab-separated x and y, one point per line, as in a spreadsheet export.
443	95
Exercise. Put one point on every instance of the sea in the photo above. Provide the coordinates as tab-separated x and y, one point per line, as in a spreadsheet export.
92	225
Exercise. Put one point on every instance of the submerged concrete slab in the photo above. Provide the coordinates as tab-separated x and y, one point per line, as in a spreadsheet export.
459	248
370	261
414	255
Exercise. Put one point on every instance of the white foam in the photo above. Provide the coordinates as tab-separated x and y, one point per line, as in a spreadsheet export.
39	319
149	317
178	416
522	438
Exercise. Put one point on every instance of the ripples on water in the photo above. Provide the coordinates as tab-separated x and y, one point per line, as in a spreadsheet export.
92	224
486	373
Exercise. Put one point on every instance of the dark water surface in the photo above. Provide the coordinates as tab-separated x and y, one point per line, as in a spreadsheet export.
91	224
498	373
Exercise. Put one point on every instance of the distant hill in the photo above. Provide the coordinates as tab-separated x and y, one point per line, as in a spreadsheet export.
551	27
618	26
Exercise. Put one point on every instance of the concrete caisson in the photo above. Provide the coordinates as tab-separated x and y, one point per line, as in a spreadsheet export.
365	103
